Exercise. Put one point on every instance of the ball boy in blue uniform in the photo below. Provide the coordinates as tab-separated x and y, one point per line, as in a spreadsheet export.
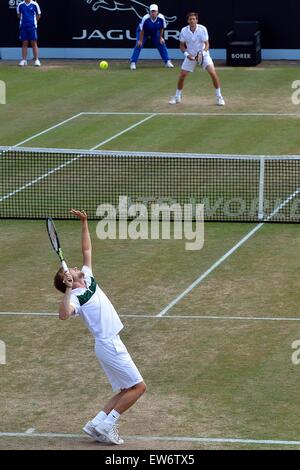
153	26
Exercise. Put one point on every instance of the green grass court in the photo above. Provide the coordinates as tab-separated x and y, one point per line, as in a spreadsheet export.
218	362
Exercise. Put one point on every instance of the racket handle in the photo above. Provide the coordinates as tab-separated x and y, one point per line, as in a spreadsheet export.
65	267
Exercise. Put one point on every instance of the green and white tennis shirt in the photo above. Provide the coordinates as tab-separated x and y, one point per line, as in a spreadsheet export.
95	308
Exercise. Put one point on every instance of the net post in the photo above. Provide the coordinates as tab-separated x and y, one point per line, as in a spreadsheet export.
261	189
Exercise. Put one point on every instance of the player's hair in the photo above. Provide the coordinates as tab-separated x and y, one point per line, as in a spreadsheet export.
192	13
58	281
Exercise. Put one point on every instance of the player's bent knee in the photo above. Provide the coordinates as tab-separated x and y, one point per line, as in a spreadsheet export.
140	388
143	387
183	76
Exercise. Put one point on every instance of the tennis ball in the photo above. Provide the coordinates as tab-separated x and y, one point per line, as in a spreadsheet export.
103	65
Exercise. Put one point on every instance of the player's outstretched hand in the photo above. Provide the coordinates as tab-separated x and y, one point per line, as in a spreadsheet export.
68	280
80	214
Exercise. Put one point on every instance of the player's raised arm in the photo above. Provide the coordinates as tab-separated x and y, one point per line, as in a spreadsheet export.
66	308
86	244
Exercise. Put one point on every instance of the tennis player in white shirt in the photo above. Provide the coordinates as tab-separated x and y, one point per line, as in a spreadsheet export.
194	43
83	297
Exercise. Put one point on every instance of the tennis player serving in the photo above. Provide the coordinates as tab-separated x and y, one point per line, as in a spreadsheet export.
194	44
83	297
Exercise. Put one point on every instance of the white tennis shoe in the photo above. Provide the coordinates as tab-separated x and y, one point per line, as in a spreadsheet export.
90	429
133	66
220	101
175	100
110	431
169	65
37	63
23	63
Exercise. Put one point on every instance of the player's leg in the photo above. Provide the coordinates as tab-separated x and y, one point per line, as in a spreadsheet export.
216	82
136	51
187	67
125	399
180	84
25	45
122	374
90	426
25	42
163	51
118	404
113	401
35	51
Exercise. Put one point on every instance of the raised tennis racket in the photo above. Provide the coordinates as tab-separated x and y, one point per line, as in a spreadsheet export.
55	242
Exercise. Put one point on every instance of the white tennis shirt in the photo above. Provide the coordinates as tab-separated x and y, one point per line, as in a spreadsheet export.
194	40
95	308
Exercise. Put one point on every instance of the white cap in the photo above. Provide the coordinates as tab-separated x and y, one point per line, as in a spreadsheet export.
153	7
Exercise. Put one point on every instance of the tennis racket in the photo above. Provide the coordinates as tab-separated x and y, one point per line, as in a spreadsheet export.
200	57
55	242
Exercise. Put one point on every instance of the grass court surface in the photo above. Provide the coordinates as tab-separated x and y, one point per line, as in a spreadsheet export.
213	343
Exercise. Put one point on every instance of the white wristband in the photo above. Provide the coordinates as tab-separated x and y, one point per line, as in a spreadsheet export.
186	54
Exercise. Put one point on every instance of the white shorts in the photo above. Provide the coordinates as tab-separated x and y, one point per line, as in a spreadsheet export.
190	65
117	364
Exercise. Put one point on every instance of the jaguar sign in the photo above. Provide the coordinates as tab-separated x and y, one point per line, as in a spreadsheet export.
111	24
139	8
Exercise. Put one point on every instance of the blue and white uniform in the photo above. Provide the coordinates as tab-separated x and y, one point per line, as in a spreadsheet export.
28	20
152	29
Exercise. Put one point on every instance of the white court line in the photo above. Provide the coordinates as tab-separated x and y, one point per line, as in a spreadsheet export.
208	440
30	431
29	314
38	179
210	270
170	317
123	132
47	130
192	114
54	170
147	114
71	119
214	317
203	276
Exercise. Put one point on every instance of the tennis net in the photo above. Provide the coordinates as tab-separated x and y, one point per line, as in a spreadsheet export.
36	183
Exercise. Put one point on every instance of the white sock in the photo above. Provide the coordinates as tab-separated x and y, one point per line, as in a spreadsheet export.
113	417
178	93
100	417
218	92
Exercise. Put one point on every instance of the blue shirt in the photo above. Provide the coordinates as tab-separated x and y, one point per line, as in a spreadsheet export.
28	12
150	27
